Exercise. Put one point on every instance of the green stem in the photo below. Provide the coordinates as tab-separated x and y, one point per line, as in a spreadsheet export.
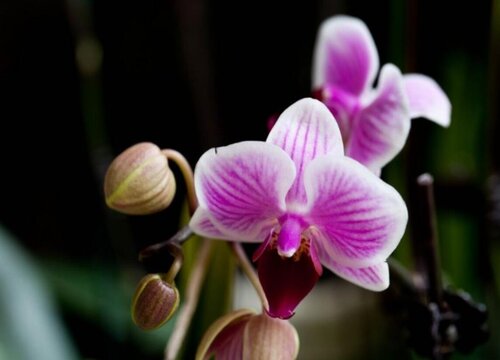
249	271
187	172
187	310
176	266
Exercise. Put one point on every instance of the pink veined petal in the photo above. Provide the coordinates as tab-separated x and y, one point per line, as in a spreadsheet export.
345	55
202	225
306	130
427	99
243	187
341	104
375	277
381	128
358	220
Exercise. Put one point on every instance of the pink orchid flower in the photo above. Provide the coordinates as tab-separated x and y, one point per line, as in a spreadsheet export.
307	203
374	122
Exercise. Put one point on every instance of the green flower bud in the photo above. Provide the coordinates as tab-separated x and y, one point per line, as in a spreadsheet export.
154	303
139	181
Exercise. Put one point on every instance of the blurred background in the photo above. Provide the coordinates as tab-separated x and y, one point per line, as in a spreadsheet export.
80	81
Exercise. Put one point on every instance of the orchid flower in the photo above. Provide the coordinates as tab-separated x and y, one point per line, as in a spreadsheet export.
307	203
374	122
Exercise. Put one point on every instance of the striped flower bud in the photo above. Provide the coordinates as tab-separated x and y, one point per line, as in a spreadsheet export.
139	181
154	303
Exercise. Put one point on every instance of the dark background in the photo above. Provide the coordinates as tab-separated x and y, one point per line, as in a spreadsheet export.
190	75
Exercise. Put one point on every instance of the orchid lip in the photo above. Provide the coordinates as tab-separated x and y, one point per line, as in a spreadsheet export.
287	280
283	315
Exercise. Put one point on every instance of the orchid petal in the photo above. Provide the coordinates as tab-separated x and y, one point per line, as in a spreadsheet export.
341	104
286	281
345	55
375	277
243	187
381	127
202	225
306	130
427	99
359	219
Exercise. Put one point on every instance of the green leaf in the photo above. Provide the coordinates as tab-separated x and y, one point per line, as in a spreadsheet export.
30	325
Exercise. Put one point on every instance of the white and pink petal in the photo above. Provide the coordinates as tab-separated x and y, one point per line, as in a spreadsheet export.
374	278
306	130
243	187
202	224
427	99
357	219
380	129
345	55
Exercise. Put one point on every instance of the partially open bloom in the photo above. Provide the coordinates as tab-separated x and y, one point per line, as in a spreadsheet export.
374	122
244	335
305	201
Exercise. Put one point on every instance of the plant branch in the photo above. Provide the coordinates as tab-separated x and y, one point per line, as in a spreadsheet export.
249	271
187	310
187	173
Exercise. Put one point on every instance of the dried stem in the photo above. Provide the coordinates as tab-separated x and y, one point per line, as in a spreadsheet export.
192	295
180	236
187	172
249	271
425	241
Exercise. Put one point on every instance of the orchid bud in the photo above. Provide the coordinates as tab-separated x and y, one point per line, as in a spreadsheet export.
139	181
154	303
244	335
269	338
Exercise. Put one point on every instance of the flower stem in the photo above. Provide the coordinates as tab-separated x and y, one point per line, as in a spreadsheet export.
249	271
187	172
191	300
176	266
180	236
425	240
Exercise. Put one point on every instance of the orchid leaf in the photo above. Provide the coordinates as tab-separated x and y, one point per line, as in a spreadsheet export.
30	323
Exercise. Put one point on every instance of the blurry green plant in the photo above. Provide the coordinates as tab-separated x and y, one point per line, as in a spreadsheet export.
30	321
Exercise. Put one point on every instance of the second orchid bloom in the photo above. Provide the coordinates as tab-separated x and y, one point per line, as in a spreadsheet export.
305	201
374	122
